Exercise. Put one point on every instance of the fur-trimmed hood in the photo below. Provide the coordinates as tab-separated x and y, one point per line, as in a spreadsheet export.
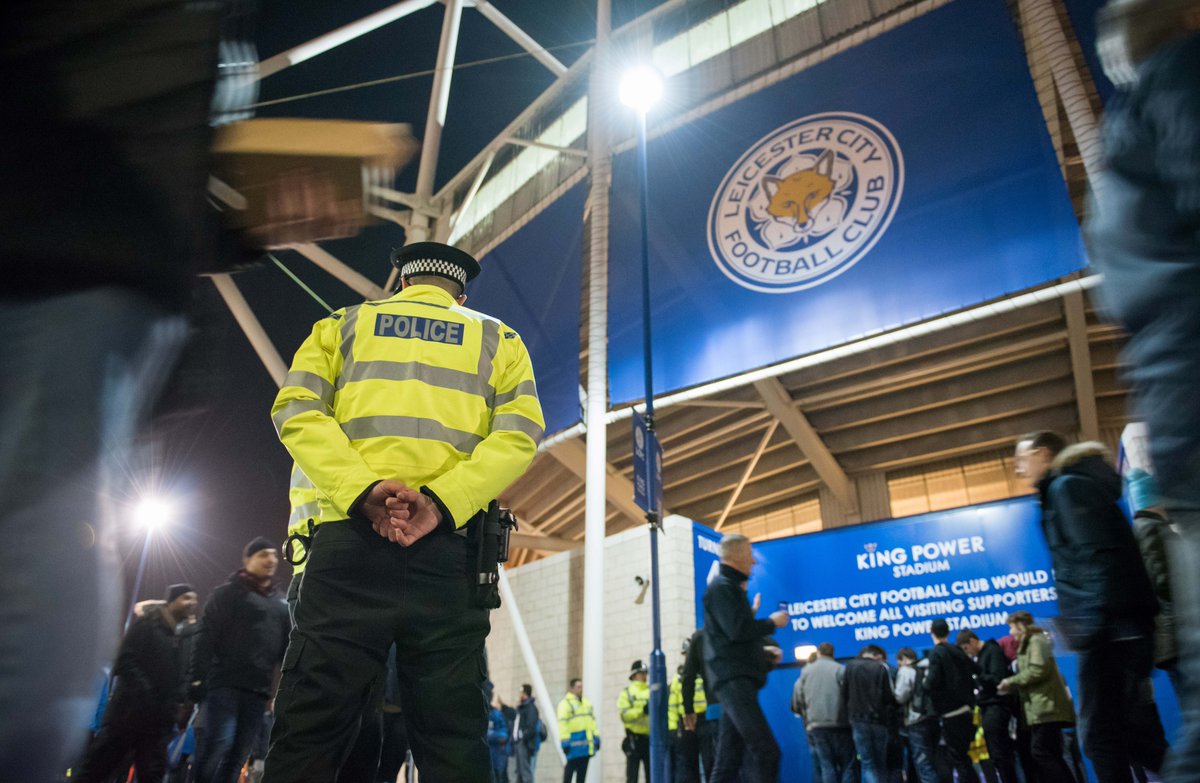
1073	454
1090	460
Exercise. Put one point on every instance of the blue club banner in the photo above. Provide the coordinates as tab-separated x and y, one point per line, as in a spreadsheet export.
531	282
909	176
884	583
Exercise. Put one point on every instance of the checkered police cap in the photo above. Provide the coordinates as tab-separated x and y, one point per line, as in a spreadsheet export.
434	266
435	258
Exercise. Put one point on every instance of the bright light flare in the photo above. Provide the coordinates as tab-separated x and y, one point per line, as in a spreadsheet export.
641	87
153	513
803	651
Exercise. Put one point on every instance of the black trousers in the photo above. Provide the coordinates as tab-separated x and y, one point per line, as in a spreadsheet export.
637	754
744	728
1119	723
113	747
576	769
360	594
1046	744
1001	748
695	748
363	763
958	733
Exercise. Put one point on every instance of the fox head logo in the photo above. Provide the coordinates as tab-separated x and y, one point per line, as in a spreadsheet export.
798	195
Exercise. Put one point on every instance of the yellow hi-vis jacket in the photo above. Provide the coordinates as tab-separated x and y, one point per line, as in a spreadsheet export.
577	727
412	388
632	704
302	496
675	701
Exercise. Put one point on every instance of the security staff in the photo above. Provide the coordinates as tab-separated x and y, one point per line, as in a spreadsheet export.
634	706
701	713
578	732
409	415
698	726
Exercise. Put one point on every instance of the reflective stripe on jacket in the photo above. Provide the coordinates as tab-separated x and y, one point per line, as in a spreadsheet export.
412	388
577	726
632	704
675	711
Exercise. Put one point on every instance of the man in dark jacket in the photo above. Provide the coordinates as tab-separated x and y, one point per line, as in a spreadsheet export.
996	711
527	735
737	665
1105	602
951	687
1144	235
698	729
870	707
148	694
243	635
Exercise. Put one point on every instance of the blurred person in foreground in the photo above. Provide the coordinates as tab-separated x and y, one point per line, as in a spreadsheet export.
1105	601
737	665
148	697
104	221
1156	539
1143	233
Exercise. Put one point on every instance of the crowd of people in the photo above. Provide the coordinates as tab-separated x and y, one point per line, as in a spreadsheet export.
994	710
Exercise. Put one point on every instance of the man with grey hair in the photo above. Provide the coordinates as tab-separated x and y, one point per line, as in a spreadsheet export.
1144	235
737	663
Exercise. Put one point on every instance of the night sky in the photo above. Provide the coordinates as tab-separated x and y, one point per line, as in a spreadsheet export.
210	446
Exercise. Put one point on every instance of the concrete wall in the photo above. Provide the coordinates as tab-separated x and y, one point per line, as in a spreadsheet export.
549	594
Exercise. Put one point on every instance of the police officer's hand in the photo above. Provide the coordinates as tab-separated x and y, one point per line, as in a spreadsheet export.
689	722
413	516
374	507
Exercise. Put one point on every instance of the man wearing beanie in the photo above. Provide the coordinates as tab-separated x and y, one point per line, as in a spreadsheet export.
147	695
243	634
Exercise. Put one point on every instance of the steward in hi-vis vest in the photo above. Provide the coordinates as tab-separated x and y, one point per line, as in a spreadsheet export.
409	416
634	706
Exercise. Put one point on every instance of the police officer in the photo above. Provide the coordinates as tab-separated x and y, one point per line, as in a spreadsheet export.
634	706
409	415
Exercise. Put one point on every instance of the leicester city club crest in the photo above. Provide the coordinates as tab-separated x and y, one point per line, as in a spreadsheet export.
806	202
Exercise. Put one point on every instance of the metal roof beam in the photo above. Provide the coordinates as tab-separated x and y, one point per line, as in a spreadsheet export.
522	38
339	269
783	408
619	490
542	543
1081	365
335	38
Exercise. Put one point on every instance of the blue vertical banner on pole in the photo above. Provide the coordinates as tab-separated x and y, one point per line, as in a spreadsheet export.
647	467
531	282
906	177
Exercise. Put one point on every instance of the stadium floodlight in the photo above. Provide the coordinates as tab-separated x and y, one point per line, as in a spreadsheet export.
152	513
641	88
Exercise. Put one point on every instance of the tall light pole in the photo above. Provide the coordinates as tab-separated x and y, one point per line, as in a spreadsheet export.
640	89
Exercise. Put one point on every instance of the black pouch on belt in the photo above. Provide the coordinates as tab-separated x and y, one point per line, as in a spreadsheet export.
491	537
